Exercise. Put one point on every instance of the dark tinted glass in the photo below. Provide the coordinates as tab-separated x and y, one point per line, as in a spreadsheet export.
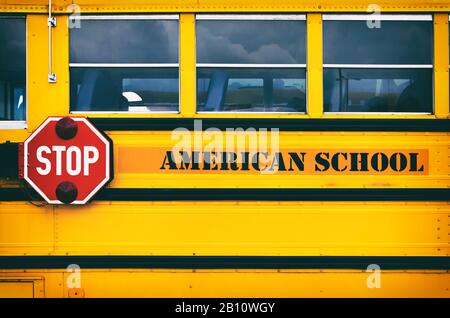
124	41
251	90
124	89
378	90
12	68
395	42
251	41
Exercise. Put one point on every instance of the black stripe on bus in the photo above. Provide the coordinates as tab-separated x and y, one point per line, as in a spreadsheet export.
283	124
253	194
228	262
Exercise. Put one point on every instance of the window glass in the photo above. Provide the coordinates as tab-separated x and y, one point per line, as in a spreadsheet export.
132	65
12	68
267	41
124	89
251	41
252	90
124	41
378	67
394	42
378	90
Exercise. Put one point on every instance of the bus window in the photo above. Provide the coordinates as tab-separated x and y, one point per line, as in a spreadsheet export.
125	63
251	63
12	68
378	67
252	90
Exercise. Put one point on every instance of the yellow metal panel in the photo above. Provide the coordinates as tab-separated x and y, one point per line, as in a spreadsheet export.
314	65
187	65
46	283
45	99
228	6
136	165
16	286
268	284
249	283
26	229
441	65
11	289
60	6
228	228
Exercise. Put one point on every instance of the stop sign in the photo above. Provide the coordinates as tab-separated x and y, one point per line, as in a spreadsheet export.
67	160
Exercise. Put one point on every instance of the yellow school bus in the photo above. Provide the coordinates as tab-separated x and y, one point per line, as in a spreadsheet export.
261	148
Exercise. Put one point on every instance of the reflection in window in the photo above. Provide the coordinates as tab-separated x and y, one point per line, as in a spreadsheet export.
124	41
125	64
251	41
378	90
395	42
12	68
124	89
251	90
386	69
239	59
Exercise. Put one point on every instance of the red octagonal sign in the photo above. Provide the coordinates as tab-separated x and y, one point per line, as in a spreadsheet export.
67	160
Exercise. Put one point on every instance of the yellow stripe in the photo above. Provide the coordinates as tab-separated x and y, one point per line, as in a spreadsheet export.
242	283
227	228
60	6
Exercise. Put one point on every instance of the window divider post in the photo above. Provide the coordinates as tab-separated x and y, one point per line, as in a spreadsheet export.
441	65
188	81
314	76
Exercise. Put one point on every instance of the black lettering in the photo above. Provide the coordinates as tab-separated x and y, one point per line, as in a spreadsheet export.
359	164
208	159
168	160
299	161
335	161
278	162
398	157
245	160
413	159
322	159
224	161
186	160
255	160
376	159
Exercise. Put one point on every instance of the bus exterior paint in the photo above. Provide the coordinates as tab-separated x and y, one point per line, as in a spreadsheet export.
407	238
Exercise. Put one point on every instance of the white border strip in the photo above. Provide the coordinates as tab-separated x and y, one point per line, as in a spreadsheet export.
393	66
128	17
251	65
124	64
13	124
246	17
377	17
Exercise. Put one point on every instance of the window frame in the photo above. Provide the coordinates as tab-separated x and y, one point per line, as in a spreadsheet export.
170	16
252	17
382	17
19	124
